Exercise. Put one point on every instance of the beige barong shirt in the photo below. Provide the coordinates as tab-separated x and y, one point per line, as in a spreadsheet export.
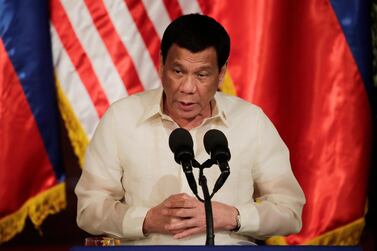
129	168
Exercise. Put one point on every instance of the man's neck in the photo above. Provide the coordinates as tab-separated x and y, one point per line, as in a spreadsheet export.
191	123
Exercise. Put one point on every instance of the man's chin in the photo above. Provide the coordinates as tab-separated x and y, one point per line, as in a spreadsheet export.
187	115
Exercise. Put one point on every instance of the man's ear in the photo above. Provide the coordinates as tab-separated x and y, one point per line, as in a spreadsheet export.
222	73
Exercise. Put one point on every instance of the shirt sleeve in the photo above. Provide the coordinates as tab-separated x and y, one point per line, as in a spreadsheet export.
278	196
101	205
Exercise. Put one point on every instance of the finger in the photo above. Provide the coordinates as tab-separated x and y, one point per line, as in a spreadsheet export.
184	203
176	200
178	196
182	212
174	232
182	224
188	232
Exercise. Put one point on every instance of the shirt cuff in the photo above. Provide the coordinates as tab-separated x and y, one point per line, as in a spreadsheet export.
133	222
249	219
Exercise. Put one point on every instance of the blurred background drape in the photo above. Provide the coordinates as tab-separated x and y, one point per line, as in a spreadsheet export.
306	63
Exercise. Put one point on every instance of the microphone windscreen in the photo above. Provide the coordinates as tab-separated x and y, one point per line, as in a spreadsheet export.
213	139
180	138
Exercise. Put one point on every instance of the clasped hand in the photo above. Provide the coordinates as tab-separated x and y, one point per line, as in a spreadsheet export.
182	215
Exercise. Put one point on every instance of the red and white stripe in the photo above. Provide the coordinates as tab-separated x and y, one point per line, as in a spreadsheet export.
105	50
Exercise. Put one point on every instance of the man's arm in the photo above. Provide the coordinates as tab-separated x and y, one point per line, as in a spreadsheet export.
279	198
100	192
277	211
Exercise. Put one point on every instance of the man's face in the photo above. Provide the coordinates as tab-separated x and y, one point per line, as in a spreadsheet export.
190	81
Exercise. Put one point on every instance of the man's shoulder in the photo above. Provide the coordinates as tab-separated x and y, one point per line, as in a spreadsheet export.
148	95
138	100
135	106
230	103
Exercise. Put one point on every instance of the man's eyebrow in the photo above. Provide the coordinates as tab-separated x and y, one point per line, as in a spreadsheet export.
176	63
205	68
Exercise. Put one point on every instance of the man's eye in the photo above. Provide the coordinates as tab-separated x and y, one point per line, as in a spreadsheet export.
202	75
177	71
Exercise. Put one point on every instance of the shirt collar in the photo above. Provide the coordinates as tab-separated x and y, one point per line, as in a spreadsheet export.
218	110
153	104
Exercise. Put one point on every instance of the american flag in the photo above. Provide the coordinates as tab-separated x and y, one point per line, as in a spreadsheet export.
105	50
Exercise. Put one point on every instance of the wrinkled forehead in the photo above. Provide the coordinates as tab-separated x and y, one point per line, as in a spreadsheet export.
182	56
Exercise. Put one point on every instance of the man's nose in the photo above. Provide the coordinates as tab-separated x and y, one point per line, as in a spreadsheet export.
188	84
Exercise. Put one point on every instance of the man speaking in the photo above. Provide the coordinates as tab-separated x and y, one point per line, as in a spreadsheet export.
132	188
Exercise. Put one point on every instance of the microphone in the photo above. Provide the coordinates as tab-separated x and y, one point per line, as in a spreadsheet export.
216	146
181	144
